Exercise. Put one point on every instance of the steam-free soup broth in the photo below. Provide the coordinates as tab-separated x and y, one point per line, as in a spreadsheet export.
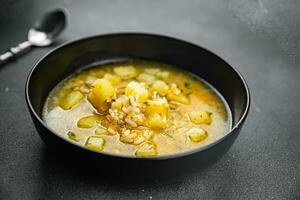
137	108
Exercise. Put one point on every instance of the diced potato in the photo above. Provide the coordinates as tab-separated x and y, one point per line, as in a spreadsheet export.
120	102
147	78
197	134
139	139
152	71
117	104
95	142
126	72
147	149
137	89
101	131
71	100
97	72
62	94
72	136
161	87
200	117
89	121
101	91
90	80
75	82
181	98
159	106
156	121
114	79
164	75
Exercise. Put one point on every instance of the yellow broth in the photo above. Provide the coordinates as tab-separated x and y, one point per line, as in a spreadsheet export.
163	110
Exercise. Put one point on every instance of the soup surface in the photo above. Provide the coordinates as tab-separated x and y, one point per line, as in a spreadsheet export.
137	108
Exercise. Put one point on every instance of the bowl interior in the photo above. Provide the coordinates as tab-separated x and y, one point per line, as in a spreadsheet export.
68	58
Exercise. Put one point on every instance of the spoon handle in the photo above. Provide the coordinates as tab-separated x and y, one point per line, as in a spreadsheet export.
13	52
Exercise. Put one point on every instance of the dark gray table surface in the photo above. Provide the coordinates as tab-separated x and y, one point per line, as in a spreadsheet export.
261	38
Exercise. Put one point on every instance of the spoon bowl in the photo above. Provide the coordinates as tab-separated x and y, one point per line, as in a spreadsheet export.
43	33
48	27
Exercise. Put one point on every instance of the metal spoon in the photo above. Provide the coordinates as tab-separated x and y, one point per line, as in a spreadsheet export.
41	34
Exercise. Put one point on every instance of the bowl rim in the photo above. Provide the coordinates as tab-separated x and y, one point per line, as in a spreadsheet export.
160	157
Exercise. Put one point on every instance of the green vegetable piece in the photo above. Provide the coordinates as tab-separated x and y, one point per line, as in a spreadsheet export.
95	142
72	136
101	131
71	100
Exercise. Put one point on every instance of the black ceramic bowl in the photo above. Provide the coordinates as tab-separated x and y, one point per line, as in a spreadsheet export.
69	57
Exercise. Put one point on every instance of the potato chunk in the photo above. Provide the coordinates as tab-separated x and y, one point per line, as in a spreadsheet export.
161	87
95	142
197	134
147	78
164	75
90	79
181	98
126	72
159	106
120	102
156	121
146	149
101	91
200	117
114	79
71	100
89	121
152	71
137	89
